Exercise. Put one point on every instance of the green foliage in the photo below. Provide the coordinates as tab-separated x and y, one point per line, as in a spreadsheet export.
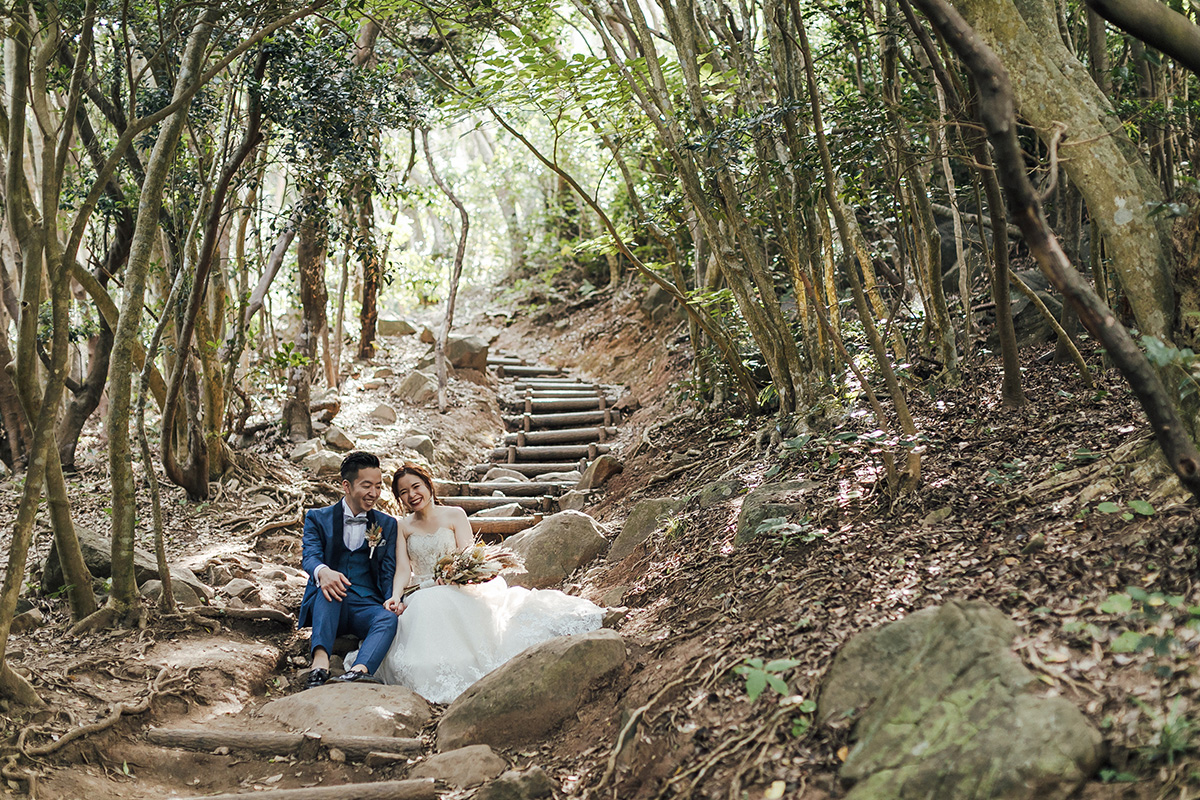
1152	619
759	675
1185	361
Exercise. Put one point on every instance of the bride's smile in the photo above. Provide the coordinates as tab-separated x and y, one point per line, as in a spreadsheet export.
412	492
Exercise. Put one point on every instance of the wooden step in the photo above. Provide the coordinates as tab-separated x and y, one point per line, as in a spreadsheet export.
560	394
553	383
551	406
493	528
534	422
533	468
509	371
562	452
563	436
471	504
509	361
522	489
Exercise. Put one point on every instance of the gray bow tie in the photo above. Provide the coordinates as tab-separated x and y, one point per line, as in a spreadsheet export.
360	518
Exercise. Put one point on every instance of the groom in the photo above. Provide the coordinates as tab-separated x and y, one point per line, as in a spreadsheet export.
349	553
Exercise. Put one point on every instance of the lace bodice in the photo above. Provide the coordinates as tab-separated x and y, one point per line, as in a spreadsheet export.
424	550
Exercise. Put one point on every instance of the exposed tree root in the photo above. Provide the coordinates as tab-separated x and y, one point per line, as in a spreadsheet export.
15	687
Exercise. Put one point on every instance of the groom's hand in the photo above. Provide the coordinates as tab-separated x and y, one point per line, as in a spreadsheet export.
395	606
333	584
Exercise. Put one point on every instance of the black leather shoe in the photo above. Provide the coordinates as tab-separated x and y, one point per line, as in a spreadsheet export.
356	676
316	677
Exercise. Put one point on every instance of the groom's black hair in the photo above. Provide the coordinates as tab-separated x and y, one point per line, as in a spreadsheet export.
359	459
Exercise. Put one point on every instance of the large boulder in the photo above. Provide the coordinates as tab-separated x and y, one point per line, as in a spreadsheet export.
384	414
530	784
418	388
323	462
336	438
950	711
467	352
352	709
556	547
533	693
642	521
599	471
97	556
461	768
391	326
766	502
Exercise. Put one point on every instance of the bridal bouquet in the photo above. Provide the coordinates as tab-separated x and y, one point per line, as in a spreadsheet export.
479	563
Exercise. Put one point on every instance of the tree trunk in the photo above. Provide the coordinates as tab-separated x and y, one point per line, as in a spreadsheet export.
310	258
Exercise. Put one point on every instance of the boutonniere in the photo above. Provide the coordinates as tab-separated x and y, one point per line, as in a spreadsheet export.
374	538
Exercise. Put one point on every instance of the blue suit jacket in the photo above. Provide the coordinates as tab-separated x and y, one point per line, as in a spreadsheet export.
322	527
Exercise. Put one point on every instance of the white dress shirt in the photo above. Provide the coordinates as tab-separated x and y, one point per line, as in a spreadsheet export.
354	533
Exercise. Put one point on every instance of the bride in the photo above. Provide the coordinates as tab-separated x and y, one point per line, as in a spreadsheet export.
450	636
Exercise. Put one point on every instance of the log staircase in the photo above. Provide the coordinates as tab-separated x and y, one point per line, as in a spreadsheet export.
557	424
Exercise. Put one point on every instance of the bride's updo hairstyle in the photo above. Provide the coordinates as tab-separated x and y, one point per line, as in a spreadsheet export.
422	473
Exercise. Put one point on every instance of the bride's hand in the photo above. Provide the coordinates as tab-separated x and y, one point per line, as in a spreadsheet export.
395	605
440	582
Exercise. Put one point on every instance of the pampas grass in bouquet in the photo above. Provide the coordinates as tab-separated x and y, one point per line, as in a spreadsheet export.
479	563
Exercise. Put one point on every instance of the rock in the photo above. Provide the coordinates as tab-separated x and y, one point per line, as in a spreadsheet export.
461	768
239	587
384	413
97	556
185	596
554	548
304	450
418	388
376	760
273	575
422	445
506	479
560	477
467	352
29	620
384	372
495	473
531	784
573	500
236	602
599	471
371	384
532	694
772	500
642	521
1029	326
337	756
336	438
427	335
506	510
614	596
391	326
323	462
352	709
952	712
658	303
718	492
324	407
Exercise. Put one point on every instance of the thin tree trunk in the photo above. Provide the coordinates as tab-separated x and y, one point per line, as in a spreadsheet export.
439	347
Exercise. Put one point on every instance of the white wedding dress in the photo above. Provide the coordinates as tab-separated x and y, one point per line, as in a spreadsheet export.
451	636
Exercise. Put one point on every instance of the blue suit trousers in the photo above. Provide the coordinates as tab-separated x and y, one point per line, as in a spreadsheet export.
373	624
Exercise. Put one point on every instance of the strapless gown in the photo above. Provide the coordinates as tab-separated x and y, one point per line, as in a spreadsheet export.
451	636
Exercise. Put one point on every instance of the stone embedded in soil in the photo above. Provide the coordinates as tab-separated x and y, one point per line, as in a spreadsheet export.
461	768
427	335
467	352
185	596
571	476
240	587
31	619
573	500
952	712
497	473
555	547
419	444
352	709
644	518
529	784
323	462
384	372
304	450
718	492
766	502
599	471
97	556
506	510
336	438
532	694
614	596
392	326
418	388
384	413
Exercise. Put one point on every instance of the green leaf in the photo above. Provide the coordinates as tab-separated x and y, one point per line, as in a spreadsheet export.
1127	642
756	682
1117	604
1108	507
808	706
778	684
1141	507
780	664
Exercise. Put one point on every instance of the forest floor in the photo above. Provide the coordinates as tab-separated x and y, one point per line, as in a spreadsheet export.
1044	511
